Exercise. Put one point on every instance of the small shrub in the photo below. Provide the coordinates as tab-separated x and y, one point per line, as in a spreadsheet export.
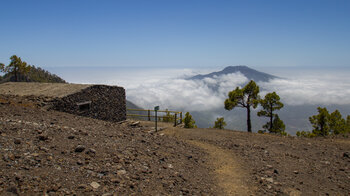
168	117
189	122
261	131
220	123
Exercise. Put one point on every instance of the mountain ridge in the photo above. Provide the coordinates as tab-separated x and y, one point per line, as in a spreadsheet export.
250	73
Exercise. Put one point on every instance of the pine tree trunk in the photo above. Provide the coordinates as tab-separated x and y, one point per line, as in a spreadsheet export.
249	124
16	76
271	122
271	116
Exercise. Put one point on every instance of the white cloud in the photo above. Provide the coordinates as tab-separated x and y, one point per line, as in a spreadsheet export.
167	88
194	95
210	93
315	91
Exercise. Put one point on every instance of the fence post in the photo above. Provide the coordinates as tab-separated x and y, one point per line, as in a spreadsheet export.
180	117
156	119
166	116
149	115
175	120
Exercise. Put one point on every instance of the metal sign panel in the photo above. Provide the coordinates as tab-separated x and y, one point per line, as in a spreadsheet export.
156	108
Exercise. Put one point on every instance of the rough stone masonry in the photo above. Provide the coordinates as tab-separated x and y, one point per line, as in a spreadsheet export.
96	101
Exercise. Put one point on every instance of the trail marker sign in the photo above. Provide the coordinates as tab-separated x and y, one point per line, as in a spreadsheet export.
155	110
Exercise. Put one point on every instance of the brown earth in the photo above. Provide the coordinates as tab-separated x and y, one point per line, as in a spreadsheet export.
275	165
40	89
49	152
53	153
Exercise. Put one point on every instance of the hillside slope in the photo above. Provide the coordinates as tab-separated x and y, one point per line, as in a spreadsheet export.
49	152
35	74
274	165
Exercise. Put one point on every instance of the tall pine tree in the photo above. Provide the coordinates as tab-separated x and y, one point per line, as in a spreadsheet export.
269	104
247	97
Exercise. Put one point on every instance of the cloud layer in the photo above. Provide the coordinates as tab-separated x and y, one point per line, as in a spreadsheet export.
194	95
167	88
314	91
210	93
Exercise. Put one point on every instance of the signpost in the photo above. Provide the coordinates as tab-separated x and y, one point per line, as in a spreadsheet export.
155	110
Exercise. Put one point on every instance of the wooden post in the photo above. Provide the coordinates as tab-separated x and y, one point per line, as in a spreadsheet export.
156	119
180	117
155	111
149	115
175	120
166	116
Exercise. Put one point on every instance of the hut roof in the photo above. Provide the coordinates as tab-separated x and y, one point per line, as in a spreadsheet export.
41	89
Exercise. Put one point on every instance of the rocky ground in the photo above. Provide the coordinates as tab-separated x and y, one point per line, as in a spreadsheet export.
52	153
48	152
277	165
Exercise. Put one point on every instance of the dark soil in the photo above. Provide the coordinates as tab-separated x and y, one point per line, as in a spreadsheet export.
54	153
49	152
278	165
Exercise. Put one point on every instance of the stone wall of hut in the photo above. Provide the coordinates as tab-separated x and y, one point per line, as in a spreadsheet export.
98	101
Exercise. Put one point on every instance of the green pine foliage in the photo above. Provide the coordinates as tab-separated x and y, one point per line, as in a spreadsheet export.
320	122
20	71
327	124
278	126
247	97
220	123
15	68
271	103
305	134
337	124
38	74
168	117
189	121
348	124
2	67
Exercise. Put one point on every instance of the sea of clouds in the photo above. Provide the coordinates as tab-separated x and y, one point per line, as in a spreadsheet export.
170	89
210	93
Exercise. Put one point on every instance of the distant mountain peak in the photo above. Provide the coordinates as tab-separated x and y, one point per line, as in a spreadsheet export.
250	73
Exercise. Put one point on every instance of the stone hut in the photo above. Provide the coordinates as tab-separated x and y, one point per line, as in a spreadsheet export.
95	101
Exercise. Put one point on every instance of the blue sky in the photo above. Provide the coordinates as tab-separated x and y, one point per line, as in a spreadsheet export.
176	33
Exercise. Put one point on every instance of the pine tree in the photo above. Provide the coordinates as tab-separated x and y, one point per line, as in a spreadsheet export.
270	103
278	126
16	67
220	123
348	124
320	122
247	97
168	117
337	124
189	122
19	71
325	123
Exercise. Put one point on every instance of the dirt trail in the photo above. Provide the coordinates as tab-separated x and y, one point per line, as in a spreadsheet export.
265	164
230	176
